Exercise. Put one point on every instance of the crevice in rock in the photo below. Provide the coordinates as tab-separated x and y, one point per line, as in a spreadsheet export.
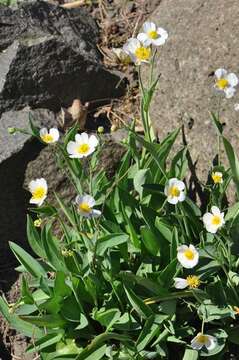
14	202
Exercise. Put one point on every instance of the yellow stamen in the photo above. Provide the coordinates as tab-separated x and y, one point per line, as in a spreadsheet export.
83	148
39	193
47	138
143	53
217	178
174	191
193	281
216	220
189	254
202	339
222	84
85	207
153	34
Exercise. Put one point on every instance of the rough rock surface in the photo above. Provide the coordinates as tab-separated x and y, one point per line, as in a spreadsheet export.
16	151
203	36
50	58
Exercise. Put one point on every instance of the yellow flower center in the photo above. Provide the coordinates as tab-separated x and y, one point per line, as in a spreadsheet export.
193	281
47	138
222	83
153	34
143	53
202	339
217	178
83	149
189	254
85	207
216	220
39	193
174	191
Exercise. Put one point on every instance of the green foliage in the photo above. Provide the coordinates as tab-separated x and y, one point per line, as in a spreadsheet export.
103	288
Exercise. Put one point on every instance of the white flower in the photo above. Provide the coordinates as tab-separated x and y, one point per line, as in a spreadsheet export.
187	256
83	145
38	189
49	137
226	82
152	35
236	107
191	281
137	50
214	220
201	340
85	206
174	190
217	177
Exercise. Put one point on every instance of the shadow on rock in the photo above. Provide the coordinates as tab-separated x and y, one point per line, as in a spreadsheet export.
14	201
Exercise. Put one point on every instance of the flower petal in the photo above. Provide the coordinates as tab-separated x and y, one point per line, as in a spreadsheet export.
43	132
232	79
55	134
71	147
149	26
230	91
220	73
180	283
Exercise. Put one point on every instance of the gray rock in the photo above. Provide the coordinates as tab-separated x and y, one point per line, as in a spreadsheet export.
16	151
203	36
52	59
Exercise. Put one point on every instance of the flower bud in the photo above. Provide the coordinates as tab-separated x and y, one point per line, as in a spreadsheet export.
100	130
12	130
113	128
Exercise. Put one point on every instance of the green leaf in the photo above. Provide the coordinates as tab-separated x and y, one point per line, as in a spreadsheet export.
34	238
108	317
29	263
147	334
232	212
166	276
174	245
25	292
218	125
60	286
51	247
66	211
233	334
71	311
44	342
138	305
211	312
48	321
150	240
17	323
96	354
139	180
109	241
233	161
34	129
190	354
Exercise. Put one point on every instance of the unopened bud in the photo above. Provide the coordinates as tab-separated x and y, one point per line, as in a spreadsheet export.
38	222
100	130
12	130
113	128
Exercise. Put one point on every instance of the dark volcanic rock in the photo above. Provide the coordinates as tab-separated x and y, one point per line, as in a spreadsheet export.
50	57
16	151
